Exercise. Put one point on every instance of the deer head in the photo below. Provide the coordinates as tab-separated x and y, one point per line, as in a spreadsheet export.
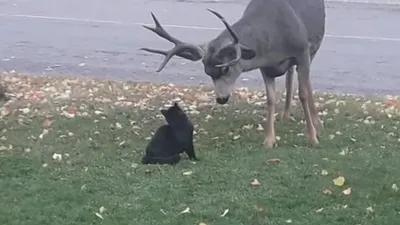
221	57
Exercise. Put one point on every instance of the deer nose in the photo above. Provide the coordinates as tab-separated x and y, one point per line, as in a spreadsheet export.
222	101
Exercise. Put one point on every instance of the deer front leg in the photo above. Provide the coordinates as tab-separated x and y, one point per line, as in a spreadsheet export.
303	71
269	127
287	112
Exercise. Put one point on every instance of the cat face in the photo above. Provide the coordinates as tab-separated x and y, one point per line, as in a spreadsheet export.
174	115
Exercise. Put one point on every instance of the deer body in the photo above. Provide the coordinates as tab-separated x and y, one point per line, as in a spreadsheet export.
273	36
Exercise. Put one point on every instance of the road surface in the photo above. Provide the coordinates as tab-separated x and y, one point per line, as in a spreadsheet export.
360	53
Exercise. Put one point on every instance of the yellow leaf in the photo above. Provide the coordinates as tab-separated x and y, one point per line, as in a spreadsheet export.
255	182
339	181
347	191
327	192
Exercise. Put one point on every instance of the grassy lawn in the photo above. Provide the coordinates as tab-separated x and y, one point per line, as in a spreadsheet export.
70	153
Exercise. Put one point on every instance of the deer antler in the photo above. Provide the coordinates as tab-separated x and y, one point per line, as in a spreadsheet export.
185	50
235	43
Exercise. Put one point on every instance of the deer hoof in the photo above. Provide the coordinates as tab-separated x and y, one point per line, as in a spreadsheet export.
287	116
313	140
270	143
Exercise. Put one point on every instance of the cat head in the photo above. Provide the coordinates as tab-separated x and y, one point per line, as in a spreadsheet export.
174	115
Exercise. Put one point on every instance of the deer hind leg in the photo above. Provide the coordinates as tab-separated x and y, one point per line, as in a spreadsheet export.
287	112
305	96
318	125
313	110
269	127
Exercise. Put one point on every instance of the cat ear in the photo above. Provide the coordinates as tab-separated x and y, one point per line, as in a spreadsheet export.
176	104
163	111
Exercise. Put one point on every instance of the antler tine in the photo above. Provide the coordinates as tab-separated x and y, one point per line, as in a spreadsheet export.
228	27
185	50
154	51
160	31
235	43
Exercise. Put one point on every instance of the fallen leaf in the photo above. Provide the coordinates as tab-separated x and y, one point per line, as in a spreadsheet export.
289	221
255	182
395	188
339	181
370	209
163	212
274	160
202	223
57	157
99	215
248	127
347	191
47	123
44	132
225	212
187	173
187	210
5	112
324	172
102	209
319	210
118	125
327	192
236	137
258	209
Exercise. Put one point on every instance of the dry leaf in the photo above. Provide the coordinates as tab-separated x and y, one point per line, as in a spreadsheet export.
47	123
370	209
324	172
44	132
236	137
274	160
327	192
187	210
57	157
99	215
163	212
202	223
255	182
258	209
102	209
319	210
5	112
187	173
339	181
225	212
118	125
347	191
395	188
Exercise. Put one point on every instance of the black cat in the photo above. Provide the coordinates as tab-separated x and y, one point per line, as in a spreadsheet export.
171	139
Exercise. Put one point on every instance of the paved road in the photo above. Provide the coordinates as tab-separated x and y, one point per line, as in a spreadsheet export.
360	54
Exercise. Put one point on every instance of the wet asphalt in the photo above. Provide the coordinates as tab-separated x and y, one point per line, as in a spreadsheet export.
360	53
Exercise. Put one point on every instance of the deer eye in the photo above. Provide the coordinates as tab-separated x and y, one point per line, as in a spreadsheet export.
224	70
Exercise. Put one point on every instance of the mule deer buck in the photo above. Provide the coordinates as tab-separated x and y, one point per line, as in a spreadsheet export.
274	36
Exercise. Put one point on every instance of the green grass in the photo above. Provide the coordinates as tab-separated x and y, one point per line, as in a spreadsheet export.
100	166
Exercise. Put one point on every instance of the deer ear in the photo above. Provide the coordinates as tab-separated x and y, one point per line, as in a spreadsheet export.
247	53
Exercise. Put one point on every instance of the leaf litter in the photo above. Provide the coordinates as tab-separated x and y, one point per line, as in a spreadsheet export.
73	97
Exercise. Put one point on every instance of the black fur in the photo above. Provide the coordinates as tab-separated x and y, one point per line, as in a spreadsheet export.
171	139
